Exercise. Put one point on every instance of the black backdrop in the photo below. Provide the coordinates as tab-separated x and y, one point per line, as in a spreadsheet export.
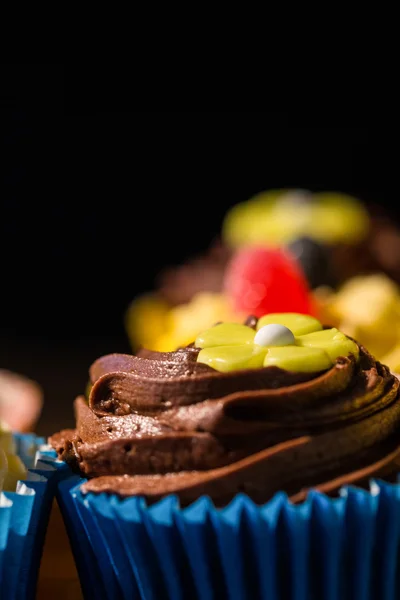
94	203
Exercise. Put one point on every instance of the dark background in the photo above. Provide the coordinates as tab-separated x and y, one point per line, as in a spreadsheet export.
95	201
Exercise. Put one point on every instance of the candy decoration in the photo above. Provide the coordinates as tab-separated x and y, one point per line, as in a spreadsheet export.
299	359
145	318
367	308
314	260
233	333
262	280
274	335
233	358
277	217
298	324
334	342
184	322
229	347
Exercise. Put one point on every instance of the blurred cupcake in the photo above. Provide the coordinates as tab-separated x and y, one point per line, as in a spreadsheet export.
27	479
332	236
238	466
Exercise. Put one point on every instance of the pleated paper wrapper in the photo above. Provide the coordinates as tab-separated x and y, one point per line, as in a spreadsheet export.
344	548
24	516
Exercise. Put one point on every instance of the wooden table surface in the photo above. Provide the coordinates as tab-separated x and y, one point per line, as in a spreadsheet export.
58	578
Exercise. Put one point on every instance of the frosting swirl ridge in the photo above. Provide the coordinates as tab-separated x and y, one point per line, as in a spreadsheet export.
158	423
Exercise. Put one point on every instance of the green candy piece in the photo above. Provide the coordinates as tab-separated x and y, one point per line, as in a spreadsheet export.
230	347
338	217
298	359
298	323
224	334
233	358
249	221
333	341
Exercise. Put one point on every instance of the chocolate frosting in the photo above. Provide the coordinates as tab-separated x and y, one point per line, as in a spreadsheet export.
159	423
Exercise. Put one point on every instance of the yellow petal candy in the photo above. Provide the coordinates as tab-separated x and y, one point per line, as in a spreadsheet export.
367	308
184	322
233	358
338	217
225	334
276	217
298	323
367	300
144	319
249	221
334	342
298	359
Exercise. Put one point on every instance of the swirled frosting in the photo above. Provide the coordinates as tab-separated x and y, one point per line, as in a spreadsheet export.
158	423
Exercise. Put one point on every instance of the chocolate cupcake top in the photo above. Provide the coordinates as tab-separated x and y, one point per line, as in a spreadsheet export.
246	408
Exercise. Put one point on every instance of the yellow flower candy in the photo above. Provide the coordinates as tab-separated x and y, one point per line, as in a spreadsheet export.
230	347
367	308
276	217
144	320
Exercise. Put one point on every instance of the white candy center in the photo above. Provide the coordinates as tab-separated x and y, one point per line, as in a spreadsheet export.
274	335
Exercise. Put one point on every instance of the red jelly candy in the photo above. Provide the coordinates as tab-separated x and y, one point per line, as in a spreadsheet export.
261	280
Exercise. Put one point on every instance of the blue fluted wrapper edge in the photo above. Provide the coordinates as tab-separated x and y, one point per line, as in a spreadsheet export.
344	548
24	516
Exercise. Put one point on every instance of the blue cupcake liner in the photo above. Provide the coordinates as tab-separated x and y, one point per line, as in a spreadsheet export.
344	548
24	516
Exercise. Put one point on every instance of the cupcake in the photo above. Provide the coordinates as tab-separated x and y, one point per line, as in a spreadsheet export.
330	235
27	478
259	461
